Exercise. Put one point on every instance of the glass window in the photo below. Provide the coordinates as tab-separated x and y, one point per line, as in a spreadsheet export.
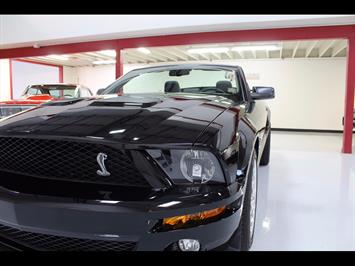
56	91
84	92
33	91
193	81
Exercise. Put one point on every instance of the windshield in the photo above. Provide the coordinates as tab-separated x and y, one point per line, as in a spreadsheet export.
188	81
56	91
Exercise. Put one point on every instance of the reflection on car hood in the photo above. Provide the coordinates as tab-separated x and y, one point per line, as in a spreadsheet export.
178	119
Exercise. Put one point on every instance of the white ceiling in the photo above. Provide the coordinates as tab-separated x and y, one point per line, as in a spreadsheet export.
288	49
26	30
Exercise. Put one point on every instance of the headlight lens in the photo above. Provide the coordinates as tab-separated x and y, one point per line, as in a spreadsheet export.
197	165
189	166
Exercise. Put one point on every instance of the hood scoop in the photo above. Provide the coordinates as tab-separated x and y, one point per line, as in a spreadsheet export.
122	101
62	102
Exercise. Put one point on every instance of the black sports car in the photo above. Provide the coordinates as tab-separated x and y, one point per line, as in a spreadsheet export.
166	159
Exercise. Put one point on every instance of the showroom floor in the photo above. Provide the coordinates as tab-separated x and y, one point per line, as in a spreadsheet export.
306	197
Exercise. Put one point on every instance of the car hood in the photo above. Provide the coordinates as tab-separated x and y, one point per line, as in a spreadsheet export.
137	120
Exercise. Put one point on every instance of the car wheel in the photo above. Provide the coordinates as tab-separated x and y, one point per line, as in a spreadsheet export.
243	237
265	157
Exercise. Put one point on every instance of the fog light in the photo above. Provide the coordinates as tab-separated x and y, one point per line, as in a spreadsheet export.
189	245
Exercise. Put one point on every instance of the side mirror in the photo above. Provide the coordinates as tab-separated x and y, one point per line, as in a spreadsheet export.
100	91
262	93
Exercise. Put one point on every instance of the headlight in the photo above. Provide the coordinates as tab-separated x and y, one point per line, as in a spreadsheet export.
189	166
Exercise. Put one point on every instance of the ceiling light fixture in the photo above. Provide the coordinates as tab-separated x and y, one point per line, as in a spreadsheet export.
208	50
58	57
111	53
104	62
143	50
256	48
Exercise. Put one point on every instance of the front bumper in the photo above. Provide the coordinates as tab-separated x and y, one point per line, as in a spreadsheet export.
105	221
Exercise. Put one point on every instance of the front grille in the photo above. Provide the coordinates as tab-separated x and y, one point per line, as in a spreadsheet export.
44	242
68	160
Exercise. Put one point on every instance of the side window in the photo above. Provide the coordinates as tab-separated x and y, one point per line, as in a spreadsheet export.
33	91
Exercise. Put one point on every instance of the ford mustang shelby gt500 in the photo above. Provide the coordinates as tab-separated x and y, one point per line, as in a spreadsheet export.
166	159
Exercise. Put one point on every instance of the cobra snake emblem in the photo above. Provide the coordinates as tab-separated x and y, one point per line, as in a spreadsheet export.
101	158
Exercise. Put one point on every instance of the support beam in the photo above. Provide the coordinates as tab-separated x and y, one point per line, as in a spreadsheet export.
134	59
310	48
281	51
119	62
240	55
325	48
295	49
254	53
139	57
229	54
164	55
349	97
338	48
182	52
204	56
285	34
177	53
216	55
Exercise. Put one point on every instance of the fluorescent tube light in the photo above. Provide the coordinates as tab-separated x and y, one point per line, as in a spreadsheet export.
208	50
104	62
111	53
256	48
143	50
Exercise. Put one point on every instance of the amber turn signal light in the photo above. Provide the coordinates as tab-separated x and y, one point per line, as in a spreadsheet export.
193	217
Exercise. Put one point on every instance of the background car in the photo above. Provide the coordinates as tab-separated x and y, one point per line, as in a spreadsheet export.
37	94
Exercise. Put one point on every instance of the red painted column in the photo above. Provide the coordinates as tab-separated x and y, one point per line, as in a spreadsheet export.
119	62
61	74
11	83
349	97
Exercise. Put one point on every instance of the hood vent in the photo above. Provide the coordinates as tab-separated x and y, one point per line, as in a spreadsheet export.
62	102
127	101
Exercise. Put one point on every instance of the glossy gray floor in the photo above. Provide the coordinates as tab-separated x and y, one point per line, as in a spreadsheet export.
306	196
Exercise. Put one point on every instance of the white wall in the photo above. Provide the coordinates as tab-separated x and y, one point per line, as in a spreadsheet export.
97	77
70	75
25	30
309	92
25	73
5	80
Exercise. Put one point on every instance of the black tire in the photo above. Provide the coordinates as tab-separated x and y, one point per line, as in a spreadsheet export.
265	157
241	239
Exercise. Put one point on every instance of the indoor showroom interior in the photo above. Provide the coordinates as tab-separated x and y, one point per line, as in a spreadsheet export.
306	194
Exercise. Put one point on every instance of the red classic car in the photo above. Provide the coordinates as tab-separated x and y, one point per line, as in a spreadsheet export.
41	93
